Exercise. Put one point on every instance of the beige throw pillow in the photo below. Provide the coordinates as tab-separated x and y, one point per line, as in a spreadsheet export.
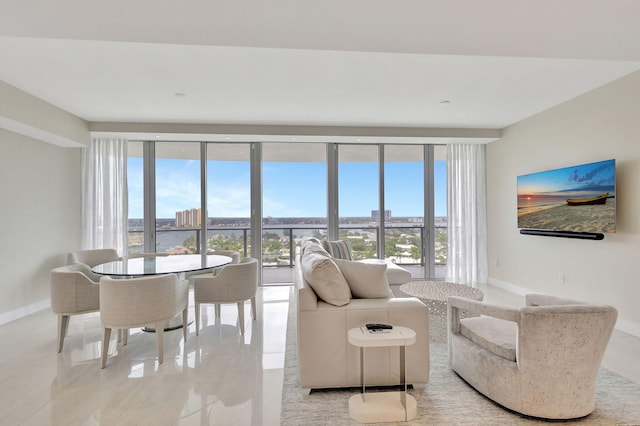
366	281
325	278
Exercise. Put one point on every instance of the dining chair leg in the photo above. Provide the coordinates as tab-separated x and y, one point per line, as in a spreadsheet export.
253	308
63	324
106	336
197	319
160	336
185	320
65	329
241	316
125	336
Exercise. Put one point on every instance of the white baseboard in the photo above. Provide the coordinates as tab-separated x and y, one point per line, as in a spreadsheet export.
623	325
24	311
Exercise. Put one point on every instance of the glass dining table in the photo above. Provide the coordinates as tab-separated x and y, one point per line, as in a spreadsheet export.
179	264
161	264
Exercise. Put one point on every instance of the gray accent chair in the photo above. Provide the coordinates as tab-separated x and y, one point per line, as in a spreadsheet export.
541	360
137	302
92	257
235	283
74	291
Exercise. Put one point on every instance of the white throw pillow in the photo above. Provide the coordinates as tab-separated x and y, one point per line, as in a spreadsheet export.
325	278
366	281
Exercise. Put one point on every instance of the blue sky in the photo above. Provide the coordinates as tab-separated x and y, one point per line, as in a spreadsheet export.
289	189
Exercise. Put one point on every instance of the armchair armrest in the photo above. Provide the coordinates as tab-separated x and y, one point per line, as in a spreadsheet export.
474	307
483	308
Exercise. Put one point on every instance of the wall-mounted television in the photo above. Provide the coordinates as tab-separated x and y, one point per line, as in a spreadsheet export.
580	199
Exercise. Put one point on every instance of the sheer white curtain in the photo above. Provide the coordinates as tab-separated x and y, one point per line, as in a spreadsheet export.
467	214
104	195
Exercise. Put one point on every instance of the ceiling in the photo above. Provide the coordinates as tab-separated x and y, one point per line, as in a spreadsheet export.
424	64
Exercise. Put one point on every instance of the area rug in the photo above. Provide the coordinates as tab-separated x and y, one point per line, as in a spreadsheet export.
446	399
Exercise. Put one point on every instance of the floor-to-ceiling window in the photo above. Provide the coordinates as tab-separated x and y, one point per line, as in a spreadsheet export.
294	203
404	188
135	189
358	198
439	167
229	197
389	199
178	199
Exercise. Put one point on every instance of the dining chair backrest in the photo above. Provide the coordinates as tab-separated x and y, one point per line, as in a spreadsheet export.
92	257
234	255
74	290
235	283
136	302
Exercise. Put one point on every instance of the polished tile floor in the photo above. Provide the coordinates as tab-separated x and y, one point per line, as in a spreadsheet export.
217	378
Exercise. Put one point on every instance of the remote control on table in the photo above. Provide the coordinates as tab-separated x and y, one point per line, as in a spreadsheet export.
375	326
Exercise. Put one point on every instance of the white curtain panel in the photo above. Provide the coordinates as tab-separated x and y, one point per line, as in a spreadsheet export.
467	214
104	195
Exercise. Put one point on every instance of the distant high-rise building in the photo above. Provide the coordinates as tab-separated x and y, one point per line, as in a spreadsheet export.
190	217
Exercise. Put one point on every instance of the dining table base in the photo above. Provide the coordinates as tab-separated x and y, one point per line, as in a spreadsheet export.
173	324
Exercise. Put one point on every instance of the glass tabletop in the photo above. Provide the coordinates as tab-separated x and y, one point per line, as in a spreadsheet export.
156	265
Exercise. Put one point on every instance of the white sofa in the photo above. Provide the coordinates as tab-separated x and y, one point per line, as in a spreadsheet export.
325	357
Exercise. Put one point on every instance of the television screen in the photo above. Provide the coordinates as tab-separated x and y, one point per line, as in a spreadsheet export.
576	199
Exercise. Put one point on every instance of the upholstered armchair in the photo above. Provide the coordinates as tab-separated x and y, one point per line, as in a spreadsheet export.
74	291
137	302
93	257
540	360
235	283
235	258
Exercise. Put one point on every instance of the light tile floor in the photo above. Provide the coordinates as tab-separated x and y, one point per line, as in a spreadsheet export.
217	378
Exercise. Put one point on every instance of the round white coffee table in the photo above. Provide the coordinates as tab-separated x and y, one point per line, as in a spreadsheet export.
435	293
377	407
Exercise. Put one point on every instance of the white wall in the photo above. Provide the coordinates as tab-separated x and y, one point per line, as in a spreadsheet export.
598	125
39	219
27	115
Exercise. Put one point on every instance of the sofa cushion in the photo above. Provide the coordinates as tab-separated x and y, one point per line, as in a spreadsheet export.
493	334
366	281
312	245
325	278
395	274
340	249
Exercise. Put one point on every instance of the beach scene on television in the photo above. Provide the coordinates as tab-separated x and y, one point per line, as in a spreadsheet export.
577	199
